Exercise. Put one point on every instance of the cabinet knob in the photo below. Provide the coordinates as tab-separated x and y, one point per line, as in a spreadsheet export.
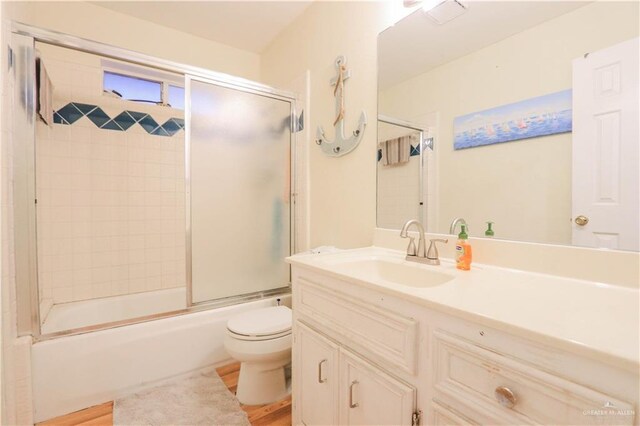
320	379
351	403
505	396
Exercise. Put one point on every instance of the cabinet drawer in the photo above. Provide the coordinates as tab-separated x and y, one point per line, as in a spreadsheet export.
380	334
443	416
512	392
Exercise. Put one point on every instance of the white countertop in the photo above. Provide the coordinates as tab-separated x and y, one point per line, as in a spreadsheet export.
595	319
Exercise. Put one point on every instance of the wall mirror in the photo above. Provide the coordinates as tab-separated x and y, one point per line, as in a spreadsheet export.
523	114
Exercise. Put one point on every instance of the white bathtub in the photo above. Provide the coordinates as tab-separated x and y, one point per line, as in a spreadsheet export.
75	372
68	316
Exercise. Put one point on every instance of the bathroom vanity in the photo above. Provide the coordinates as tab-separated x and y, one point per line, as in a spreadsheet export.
380	340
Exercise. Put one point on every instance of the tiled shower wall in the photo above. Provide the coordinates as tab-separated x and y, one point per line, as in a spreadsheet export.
110	203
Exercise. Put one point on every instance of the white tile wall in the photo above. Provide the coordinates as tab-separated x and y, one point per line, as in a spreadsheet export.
111	210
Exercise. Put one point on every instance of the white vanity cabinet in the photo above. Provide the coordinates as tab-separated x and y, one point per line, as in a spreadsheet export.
369	396
494	388
315	360
336	386
352	361
362	355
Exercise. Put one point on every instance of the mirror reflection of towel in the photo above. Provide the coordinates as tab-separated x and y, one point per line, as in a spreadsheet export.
396	151
45	93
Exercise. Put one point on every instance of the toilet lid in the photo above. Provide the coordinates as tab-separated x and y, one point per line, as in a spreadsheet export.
261	322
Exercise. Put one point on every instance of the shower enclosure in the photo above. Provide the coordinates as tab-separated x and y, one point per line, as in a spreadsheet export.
152	189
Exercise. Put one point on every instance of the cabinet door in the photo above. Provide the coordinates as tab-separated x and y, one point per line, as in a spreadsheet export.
316	377
370	396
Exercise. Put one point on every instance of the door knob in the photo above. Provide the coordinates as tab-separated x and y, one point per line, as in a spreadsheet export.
581	220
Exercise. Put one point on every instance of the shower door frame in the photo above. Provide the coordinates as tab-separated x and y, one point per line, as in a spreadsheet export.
28	301
229	300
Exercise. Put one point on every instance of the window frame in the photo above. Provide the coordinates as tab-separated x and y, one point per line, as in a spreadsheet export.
156	76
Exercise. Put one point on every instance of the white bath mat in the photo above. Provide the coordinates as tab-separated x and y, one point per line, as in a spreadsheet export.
200	399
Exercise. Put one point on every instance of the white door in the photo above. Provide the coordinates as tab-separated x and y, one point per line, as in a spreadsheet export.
605	148
368	396
316	376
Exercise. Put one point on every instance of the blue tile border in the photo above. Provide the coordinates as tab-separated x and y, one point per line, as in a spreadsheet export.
73	111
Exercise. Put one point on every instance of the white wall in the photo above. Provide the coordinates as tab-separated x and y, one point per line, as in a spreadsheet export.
111	210
522	186
96	23
342	190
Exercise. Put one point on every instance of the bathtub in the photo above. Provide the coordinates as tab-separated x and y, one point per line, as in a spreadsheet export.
74	372
83	313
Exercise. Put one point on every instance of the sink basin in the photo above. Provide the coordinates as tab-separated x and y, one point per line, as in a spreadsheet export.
398	273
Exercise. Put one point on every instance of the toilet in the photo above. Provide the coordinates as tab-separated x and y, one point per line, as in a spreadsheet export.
261	340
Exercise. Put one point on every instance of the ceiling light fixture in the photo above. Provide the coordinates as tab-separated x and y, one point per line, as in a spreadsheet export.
427	5
440	11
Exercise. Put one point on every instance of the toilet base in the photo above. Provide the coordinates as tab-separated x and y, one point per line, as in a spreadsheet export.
262	383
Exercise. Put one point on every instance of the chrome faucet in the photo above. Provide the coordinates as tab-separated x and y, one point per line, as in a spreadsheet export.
420	254
455	222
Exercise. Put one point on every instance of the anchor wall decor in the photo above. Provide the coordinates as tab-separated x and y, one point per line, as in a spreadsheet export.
341	145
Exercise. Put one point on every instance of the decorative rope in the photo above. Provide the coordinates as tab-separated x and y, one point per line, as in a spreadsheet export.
340	86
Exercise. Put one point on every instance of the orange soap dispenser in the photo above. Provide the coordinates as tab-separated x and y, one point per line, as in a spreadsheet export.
463	250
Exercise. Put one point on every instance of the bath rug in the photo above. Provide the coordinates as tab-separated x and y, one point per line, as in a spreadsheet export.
199	399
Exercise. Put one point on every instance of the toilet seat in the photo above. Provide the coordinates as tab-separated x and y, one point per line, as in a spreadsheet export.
261	324
258	338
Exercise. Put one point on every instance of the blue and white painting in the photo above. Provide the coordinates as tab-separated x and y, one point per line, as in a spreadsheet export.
540	116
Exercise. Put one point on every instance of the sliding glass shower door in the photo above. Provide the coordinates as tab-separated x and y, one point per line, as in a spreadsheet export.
239	191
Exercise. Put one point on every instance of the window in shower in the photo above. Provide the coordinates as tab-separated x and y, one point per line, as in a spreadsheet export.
137	84
176	96
133	88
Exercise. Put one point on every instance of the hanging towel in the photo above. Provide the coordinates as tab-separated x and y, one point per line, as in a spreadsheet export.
404	149
45	93
395	151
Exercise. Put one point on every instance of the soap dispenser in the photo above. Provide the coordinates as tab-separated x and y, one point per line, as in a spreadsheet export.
463	250
489	232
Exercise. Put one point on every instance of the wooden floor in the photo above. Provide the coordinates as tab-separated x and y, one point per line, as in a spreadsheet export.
276	414
100	415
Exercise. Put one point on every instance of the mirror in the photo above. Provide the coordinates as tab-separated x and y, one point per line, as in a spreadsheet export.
523	114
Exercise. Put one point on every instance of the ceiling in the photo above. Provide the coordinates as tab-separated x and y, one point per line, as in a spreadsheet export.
246	25
417	44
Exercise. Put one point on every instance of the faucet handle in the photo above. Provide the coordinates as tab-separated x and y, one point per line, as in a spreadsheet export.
432	253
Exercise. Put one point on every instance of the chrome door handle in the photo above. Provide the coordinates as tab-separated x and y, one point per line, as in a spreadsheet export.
351	403
320	379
